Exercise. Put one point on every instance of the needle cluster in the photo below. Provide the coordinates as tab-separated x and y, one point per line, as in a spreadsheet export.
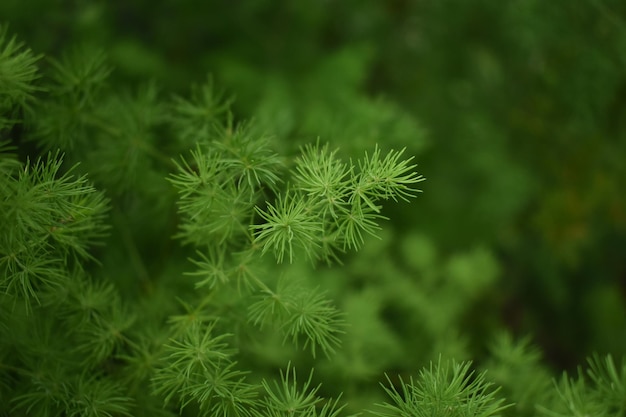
332	205
445	388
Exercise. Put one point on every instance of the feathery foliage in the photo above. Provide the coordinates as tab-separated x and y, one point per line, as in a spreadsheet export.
165	250
331	205
601	392
18	72
285	398
443	389
50	221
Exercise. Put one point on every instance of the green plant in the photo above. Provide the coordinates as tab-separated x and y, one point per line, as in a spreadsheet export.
602	391
448	389
53	217
161	255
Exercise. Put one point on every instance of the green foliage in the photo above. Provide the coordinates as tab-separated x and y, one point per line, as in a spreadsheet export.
294	313
166	249
87	396
75	84
332	204
50	221
219	188
516	366
288	226
285	398
18	71
196	366
600	392
444	389
197	116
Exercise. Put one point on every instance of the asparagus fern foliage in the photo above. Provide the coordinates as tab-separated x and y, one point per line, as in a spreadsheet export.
85	331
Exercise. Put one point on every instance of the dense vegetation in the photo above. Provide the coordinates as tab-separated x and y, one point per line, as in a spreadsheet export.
218	208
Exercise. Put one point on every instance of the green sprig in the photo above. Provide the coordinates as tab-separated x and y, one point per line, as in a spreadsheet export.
50	220
18	72
286	398
444	389
332	205
289	225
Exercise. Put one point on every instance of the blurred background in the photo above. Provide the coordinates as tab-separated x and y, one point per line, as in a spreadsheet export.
515	112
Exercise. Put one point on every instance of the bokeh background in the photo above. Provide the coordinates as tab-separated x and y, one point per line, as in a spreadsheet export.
514	110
